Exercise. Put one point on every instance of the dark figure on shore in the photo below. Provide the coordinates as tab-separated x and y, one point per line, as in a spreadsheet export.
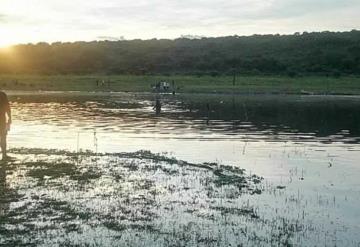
5	122
173	87
208	113
157	106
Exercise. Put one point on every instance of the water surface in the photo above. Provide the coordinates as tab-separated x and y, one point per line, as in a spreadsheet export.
308	145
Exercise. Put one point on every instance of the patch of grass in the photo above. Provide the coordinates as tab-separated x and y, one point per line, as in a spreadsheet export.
225	179
139	196
225	175
24	221
237	211
53	170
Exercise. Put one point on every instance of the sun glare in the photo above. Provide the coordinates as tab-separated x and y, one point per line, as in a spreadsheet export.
7	48
6	43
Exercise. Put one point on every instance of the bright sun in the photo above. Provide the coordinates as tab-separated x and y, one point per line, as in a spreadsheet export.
7	40
6	47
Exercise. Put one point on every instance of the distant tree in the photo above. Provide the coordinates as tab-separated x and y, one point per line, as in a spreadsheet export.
307	53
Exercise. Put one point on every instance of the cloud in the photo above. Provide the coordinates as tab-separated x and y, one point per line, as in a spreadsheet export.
86	20
3	18
211	16
110	38
297	8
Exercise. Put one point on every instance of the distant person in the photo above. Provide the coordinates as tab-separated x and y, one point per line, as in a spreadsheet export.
157	106
208	113
5	122
173	87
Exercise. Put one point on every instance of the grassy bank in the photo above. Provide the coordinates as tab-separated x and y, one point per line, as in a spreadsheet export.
185	84
131	199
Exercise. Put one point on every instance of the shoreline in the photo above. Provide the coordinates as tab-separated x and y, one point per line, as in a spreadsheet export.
222	85
106	93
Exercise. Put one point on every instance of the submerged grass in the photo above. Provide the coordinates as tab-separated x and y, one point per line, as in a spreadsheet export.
127	199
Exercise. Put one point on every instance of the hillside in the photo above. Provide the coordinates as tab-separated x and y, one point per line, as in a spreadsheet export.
325	53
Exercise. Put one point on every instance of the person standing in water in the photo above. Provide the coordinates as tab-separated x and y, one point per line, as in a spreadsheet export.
157	106
5	122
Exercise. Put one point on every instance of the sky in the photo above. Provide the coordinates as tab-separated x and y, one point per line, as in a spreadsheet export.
32	21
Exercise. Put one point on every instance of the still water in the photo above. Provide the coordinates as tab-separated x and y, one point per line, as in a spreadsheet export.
307	144
240	130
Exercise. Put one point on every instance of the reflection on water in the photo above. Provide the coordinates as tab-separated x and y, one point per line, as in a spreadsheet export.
306	146
199	128
271	118
238	130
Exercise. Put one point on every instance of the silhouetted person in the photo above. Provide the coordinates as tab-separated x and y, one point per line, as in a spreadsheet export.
173	87
208	113
157	106
5	122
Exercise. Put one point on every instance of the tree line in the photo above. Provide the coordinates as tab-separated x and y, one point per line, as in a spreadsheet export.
320	53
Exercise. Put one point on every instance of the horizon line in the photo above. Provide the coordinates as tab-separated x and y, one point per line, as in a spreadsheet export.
184	36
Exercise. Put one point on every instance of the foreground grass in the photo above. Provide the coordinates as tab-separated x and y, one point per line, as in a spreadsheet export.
61	198
58	198
184	84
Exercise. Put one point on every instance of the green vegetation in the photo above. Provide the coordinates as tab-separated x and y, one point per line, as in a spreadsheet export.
184	84
320	63
322	53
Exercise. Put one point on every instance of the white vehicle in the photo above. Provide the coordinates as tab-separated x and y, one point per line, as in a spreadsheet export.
162	86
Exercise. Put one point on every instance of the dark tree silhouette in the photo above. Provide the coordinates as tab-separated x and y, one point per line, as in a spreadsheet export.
323	53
